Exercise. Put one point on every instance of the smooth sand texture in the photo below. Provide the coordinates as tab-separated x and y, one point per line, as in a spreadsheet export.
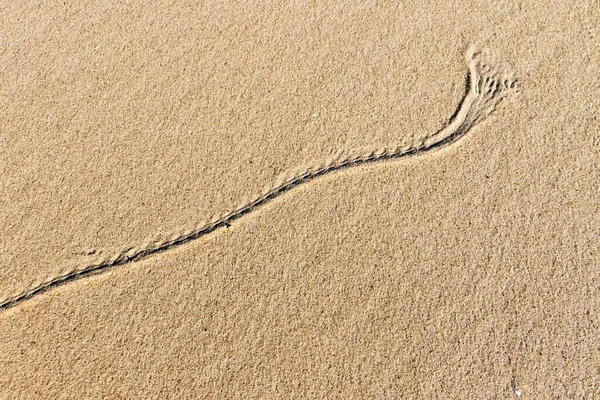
457	274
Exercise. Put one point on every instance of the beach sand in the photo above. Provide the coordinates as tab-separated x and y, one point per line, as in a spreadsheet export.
468	271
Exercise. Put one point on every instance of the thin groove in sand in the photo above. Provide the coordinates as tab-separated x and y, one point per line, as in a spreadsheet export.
486	86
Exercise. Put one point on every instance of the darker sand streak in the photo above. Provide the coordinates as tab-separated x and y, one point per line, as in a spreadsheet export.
484	91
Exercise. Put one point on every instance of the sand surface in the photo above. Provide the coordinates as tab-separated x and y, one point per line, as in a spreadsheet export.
472	271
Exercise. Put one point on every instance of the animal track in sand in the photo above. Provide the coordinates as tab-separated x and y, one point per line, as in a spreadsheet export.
488	83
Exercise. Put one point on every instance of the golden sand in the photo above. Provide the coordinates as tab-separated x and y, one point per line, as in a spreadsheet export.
192	209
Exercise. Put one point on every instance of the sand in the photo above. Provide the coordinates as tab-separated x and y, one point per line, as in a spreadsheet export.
472	271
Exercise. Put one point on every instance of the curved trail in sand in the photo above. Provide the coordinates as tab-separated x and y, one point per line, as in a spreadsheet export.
487	85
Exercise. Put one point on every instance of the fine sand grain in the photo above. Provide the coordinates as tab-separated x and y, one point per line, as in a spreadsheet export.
191	206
